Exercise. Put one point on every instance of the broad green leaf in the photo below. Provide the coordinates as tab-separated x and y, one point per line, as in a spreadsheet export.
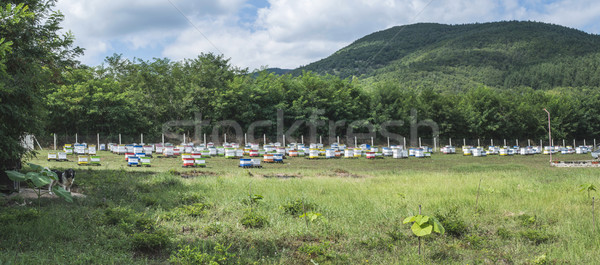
16	176
422	219
62	193
51	175
314	216
35	167
438	227
38	179
409	219
421	230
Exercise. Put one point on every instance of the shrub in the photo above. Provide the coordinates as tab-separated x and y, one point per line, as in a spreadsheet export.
452	222
115	216
213	229
297	207
254	220
150	242
536	236
194	210
504	233
189	255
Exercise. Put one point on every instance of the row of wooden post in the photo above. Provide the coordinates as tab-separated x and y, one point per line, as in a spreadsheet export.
435	141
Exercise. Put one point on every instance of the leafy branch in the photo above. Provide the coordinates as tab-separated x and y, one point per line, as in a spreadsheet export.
38	178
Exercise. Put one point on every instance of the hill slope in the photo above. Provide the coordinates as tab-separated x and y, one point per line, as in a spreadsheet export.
501	54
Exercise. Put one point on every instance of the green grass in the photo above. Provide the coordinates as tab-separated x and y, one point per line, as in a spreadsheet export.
528	213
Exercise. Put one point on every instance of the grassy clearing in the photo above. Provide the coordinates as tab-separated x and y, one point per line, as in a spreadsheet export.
528	213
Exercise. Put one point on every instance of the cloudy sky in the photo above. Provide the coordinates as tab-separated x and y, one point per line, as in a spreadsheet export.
281	33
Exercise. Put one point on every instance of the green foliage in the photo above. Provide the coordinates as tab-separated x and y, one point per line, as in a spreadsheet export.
504	233
193	255
310	216
150	242
34	51
20	215
452	222
319	251
37	179
587	187
213	229
254	220
423	225
537	236
252	199
195	210
297	207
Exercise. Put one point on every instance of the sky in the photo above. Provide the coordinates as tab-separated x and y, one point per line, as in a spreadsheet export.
287	34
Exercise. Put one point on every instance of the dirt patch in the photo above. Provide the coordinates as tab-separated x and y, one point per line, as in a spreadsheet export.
341	173
193	174
282	176
27	193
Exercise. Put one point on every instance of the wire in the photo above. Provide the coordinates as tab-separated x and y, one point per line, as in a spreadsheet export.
193	25
398	33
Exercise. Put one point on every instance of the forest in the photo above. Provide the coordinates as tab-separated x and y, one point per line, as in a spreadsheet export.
488	81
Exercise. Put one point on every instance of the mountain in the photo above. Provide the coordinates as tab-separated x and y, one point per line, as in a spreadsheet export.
500	54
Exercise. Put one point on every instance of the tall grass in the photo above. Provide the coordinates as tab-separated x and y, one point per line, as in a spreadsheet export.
528	213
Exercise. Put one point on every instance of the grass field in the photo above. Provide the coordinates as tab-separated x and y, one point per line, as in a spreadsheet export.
527	213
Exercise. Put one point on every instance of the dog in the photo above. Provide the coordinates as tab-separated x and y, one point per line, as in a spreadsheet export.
65	179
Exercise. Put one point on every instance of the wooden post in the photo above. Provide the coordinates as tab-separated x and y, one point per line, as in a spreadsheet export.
355	142
372	144
420	142
504	142
224	138
404	146
264	139
205	144
450	140
528	142
478	143
246	139
76	138
163	138
419	237
338	139
98	141
302	137
464	142
593	215
141	138
55	142
477	200
434	145
183	138
388	142
284	140
320	139
120	138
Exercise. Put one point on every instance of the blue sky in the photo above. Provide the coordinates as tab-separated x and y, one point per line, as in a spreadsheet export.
281	33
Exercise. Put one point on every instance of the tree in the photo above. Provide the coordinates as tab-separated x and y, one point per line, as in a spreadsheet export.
34	54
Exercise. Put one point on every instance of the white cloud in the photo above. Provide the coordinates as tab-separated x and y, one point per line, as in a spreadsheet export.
286	33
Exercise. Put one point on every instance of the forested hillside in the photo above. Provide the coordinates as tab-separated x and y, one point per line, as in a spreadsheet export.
457	57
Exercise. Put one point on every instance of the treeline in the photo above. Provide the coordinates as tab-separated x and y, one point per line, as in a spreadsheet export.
132	97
